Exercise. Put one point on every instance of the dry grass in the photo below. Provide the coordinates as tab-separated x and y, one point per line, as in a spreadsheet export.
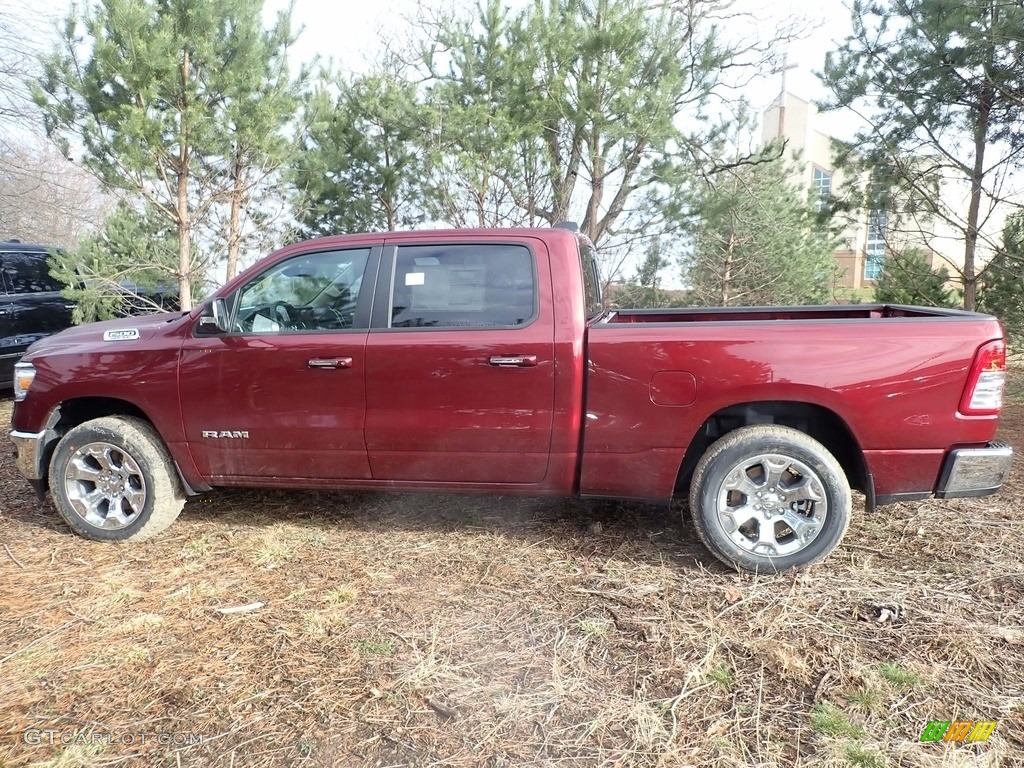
414	630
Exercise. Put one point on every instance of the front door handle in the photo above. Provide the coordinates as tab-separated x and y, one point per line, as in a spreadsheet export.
333	362
513	361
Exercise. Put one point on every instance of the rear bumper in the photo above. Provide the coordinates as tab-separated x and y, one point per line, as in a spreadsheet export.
974	471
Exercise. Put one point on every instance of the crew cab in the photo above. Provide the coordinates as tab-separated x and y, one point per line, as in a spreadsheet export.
484	361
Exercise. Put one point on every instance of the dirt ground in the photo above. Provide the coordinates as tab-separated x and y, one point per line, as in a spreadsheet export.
417	630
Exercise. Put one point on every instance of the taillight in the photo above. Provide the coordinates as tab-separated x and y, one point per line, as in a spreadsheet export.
984	392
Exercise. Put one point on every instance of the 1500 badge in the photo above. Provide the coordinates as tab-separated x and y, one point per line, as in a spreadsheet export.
226	433
121	334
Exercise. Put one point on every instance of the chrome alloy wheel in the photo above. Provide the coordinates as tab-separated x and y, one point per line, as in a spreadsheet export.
772	505
104	485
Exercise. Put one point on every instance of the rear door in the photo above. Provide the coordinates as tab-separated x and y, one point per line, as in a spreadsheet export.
460	363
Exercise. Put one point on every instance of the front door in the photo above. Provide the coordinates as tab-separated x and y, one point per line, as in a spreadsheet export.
282	394
460	364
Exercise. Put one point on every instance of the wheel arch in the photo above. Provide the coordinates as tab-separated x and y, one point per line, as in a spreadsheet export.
814	420
74	411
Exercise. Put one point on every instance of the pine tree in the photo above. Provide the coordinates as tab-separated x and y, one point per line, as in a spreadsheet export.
758	240
145	99
908	278
1002	285
585	110
941	86
361	163
260	98
132	251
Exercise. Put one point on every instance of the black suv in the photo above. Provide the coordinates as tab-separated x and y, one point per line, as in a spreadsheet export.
30	303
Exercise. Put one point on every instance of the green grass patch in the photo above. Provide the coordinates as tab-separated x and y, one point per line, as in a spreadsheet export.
830	720
595	627
722	675
869	700
863	758
376	647
897	676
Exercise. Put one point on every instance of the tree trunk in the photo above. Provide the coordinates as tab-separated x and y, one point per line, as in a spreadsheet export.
727	268
184	241
234	233
184	220
981	126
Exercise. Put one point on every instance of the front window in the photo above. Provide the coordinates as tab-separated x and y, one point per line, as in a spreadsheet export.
311	292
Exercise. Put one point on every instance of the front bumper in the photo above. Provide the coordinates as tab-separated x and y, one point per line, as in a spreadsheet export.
30	447
32	451
974	471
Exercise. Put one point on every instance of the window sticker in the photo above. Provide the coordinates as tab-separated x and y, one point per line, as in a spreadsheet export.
263	324
415	278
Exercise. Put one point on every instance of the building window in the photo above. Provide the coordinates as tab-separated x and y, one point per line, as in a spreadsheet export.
874	248
821	188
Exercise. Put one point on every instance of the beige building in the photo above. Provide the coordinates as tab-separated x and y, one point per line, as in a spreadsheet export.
869	235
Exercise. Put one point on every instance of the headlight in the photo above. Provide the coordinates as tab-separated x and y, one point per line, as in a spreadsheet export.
24	375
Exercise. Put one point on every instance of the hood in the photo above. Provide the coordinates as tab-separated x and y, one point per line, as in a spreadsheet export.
113	333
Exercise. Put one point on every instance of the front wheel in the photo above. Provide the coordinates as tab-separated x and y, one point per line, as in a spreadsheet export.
767	498
112	480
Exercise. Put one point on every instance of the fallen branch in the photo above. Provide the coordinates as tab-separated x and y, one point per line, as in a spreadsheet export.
239	609
441	707
39	639
10	554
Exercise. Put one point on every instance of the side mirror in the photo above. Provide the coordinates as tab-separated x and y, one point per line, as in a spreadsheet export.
214	318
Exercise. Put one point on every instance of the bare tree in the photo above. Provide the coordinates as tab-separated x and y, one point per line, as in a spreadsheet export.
44	197
22	36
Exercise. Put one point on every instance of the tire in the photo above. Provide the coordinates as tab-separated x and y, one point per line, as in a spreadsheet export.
112	480
799	518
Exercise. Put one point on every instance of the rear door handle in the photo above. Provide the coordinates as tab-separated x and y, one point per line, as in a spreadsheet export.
513	361
333	362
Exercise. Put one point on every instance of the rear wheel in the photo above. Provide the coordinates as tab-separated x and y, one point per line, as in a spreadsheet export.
112	480
767	498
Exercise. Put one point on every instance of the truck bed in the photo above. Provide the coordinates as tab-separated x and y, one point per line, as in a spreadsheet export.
747	314
655	385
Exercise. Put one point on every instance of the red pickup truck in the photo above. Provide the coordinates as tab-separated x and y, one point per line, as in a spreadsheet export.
484	361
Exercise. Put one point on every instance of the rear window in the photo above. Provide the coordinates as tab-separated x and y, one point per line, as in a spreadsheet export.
463	286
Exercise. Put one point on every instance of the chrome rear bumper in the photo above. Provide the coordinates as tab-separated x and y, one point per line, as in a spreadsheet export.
974	471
